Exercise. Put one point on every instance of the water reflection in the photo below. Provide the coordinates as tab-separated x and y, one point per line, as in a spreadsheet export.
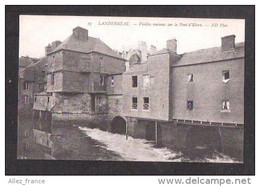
39	138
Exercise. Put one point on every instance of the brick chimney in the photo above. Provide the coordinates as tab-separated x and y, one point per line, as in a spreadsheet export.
47	49
80	33
228	43
172	45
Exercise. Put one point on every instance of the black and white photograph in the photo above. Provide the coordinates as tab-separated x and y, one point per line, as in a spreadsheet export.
111	92
166	89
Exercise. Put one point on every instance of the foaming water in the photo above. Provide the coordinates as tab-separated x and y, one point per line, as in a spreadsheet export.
142	150
130	149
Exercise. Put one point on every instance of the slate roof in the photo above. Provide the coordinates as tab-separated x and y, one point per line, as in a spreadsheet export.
210	55
90	45
162	51
25	61
138	68
39	64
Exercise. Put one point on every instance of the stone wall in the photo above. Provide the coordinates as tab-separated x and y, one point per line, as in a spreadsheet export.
115	104
117	87
207	91
108	65
158	69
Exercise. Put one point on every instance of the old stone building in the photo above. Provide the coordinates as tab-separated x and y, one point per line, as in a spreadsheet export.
190	100
24	92
34	80
83	80
136	54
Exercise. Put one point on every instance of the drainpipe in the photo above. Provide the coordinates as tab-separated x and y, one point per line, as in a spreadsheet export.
156	133
126	134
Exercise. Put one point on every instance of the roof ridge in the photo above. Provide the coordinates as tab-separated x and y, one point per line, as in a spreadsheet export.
211	48
91	45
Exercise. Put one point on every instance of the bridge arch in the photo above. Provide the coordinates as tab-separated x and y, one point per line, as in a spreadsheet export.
118	125
203	138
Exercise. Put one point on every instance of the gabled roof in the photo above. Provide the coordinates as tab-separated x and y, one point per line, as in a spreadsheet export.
90	45
25	61
39	64
210	55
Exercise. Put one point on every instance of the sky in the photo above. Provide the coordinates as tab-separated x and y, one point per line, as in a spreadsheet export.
119	33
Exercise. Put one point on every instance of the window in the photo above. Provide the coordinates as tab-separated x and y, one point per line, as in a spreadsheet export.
40	86
52	79
52	60
35	98
225	75
26	146
41	100
102	80
134	103
48	99
134	81
26	133
66	102
225	105
189	105
146	81
26	86
112	81
151	80
99	101
26	99
146	103
190	78
43	73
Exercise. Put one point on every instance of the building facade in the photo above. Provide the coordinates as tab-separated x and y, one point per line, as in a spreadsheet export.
193	100
24	87
186	101
137	54
83	80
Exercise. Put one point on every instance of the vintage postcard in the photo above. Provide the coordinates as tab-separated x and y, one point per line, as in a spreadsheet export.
131	89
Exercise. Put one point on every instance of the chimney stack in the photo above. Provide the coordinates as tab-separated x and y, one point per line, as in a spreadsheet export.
80	33
144	52
47	49
54	44
228	43
153	49
172	45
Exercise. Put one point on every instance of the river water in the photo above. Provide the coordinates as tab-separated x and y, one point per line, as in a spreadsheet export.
82	143
131	149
